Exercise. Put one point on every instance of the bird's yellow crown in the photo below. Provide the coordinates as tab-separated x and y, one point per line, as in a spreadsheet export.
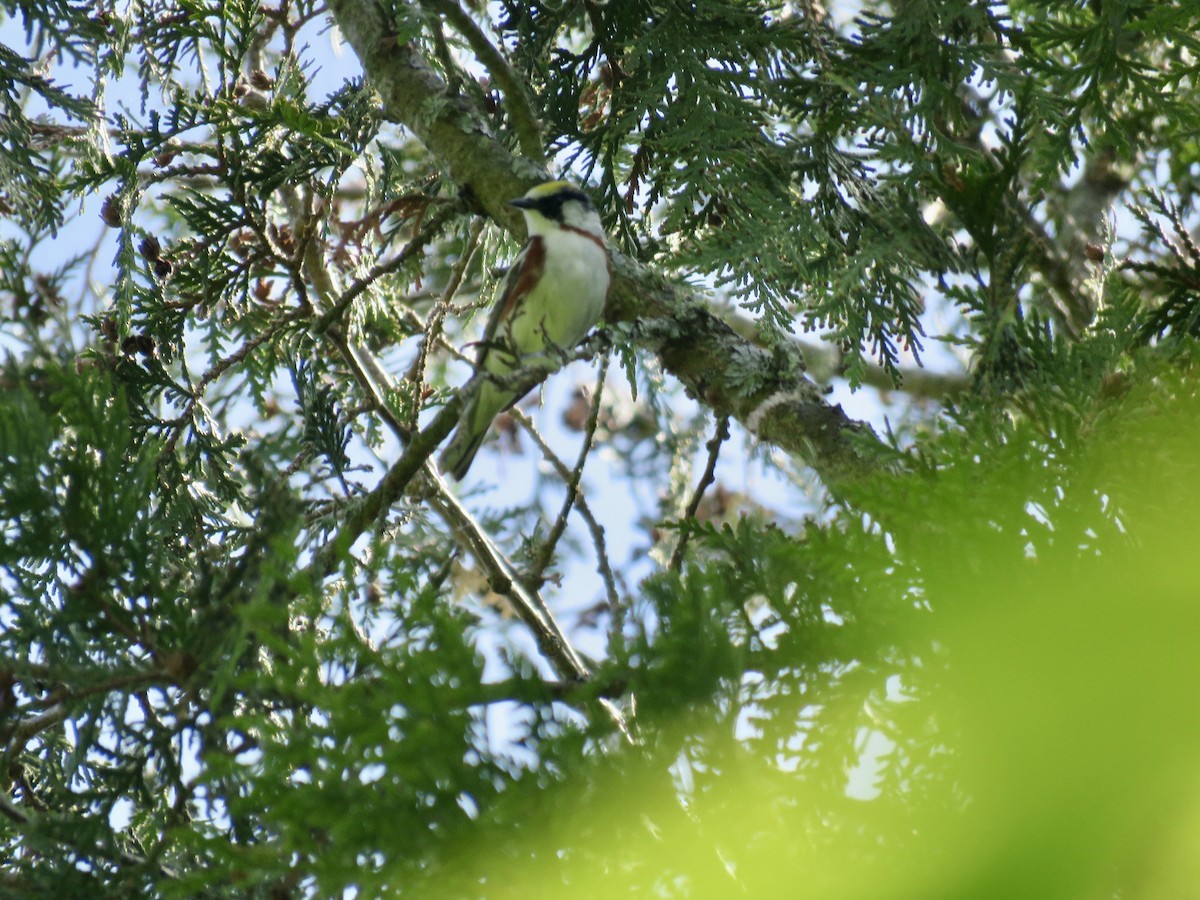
549	189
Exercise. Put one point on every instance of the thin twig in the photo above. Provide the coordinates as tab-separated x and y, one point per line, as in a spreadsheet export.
196	394
441	52
616	609
522	690
714	450
25	731
117	682
502	575
433	327
546	551
335	309
395	483
581	506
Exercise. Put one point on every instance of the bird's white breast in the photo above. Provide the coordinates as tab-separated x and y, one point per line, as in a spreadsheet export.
569	298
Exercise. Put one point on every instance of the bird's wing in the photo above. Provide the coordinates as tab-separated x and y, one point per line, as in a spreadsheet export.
489	398
522	275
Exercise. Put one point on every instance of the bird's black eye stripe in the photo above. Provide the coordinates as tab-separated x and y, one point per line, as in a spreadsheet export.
551	207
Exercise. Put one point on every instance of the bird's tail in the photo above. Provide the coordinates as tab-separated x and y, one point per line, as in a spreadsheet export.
460	452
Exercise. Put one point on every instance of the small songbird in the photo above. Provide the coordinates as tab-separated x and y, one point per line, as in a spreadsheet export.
553	294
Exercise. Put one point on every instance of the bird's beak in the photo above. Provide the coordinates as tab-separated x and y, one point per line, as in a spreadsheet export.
523	203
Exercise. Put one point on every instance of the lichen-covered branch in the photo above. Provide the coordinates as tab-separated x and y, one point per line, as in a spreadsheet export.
516	96
766	390
454	131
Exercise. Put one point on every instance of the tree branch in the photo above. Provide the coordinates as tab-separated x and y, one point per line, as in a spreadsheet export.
448	124
516	97
824	362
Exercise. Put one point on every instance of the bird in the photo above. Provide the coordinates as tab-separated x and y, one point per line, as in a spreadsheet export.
552	296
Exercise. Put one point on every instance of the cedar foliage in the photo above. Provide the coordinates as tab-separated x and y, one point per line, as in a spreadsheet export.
962	673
